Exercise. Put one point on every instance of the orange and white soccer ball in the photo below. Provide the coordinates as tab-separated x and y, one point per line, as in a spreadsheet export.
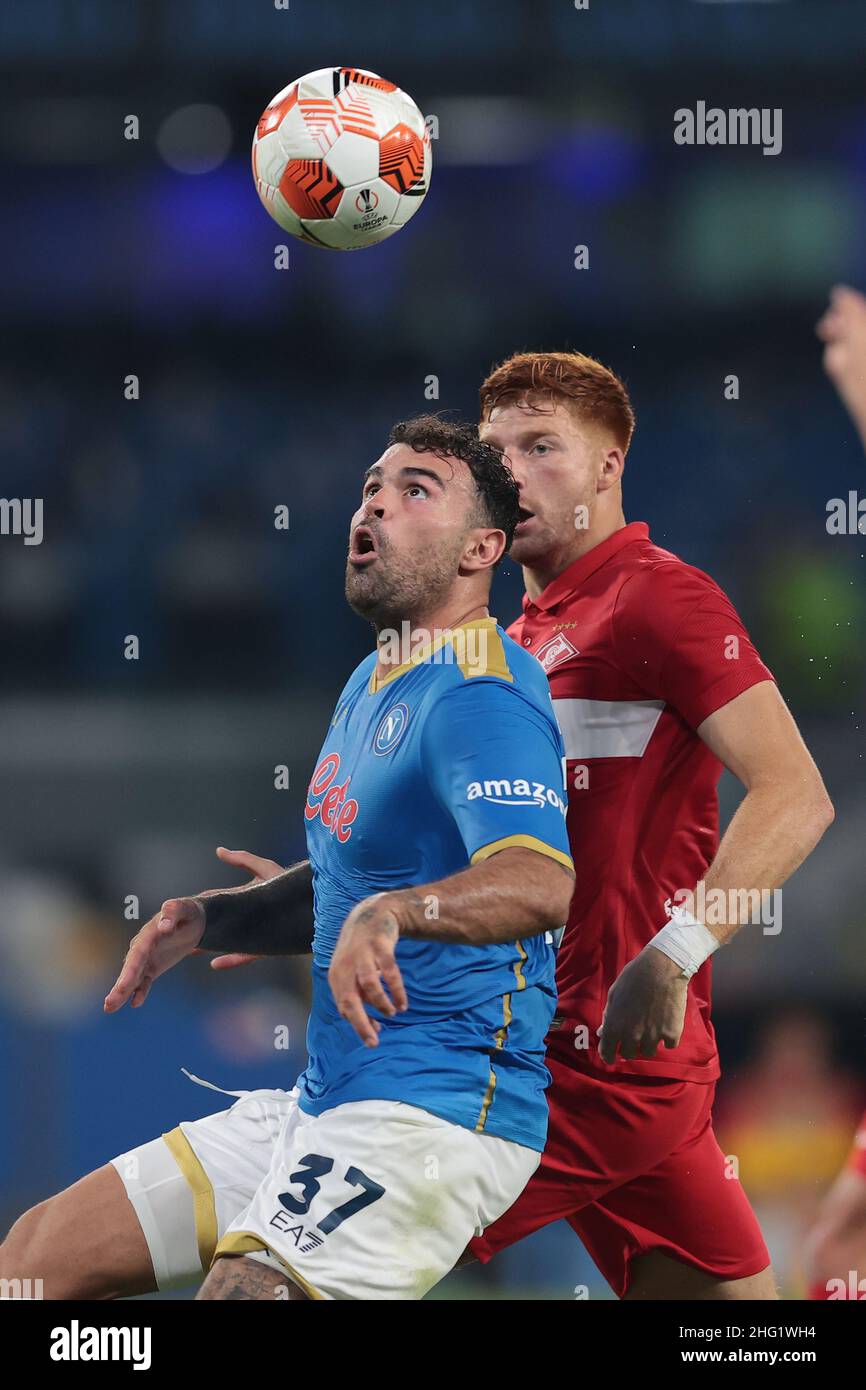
341	158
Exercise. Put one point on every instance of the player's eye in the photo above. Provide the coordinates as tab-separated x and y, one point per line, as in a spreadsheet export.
540	448
369	490
417	488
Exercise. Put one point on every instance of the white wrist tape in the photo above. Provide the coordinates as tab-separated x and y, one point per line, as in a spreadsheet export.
686	941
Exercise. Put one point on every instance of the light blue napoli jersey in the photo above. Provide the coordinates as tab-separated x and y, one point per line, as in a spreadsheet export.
452	757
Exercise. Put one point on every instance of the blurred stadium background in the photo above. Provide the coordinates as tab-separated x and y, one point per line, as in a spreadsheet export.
261	387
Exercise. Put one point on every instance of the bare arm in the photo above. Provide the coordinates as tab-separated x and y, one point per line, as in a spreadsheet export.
517	892
782	817
784	813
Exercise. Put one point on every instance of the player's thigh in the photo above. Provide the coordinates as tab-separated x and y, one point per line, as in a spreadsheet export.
659	1276
377	1199
187	1187
84	1243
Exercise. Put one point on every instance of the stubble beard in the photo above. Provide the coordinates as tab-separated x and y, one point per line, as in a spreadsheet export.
396	590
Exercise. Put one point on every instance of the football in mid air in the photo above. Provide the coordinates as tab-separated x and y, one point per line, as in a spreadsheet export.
341	158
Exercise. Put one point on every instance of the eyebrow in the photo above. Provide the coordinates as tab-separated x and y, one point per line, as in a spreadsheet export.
528	436
407	472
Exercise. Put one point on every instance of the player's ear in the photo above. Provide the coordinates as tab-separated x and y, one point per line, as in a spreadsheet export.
612	466
484	548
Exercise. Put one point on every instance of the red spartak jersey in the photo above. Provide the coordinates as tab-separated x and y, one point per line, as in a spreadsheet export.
640	648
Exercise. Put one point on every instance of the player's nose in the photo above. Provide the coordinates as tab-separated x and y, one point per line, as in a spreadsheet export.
376	504
513	461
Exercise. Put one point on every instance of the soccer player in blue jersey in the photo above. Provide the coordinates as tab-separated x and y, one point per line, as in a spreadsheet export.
440	873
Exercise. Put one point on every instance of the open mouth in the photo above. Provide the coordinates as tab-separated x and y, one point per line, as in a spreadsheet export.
524	517
362	546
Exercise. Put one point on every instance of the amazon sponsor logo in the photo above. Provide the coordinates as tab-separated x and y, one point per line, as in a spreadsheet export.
505	791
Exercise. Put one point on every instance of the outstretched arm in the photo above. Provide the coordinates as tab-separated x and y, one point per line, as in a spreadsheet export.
188	926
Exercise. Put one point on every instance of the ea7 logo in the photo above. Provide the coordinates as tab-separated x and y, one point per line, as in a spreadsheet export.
502	791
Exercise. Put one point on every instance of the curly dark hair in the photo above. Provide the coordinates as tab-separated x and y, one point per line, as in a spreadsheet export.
498	493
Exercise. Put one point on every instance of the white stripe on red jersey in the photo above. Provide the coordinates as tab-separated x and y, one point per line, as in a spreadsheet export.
607	728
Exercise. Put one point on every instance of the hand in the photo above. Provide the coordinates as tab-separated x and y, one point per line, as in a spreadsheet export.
157	947
364	962
171	934
843	329
261	870
646	1005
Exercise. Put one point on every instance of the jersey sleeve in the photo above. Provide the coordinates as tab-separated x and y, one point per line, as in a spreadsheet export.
681	639
495	763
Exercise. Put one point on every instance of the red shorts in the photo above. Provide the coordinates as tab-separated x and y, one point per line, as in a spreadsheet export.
633	1165
857	1158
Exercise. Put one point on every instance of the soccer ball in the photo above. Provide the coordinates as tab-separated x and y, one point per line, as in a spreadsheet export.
341	158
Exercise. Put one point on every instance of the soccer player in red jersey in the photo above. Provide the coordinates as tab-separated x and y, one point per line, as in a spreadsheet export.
656	688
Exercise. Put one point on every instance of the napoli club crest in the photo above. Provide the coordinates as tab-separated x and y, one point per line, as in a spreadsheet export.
392	727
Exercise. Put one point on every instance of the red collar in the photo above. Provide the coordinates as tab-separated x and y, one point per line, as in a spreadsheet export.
567	583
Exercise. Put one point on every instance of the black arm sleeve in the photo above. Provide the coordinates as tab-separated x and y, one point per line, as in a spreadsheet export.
266	919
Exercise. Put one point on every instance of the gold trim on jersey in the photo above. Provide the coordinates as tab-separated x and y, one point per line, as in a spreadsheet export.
495	662
242	1242
519	964
203	1203
499	1042
522	842
501	1033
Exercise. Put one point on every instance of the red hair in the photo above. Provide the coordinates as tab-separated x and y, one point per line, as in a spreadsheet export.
593	391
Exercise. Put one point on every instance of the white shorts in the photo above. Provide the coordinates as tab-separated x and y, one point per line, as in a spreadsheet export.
371	1200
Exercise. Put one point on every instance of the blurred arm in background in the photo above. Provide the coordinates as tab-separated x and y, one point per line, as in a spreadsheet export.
843	329
836	1243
